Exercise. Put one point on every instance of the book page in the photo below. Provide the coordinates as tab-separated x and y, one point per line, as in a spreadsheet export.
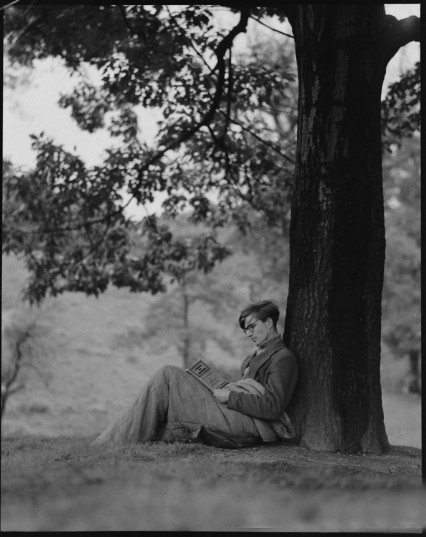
201	371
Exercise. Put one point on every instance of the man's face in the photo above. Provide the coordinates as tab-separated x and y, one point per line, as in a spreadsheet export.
257	330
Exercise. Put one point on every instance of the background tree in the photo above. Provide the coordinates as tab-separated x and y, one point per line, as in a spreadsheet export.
185	317
401	291
22	344
177	60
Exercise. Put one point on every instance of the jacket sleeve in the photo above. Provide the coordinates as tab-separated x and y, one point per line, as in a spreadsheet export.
280	383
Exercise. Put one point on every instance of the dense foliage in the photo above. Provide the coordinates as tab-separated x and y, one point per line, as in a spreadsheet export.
401	174
215	152
223	154
401	291
401	108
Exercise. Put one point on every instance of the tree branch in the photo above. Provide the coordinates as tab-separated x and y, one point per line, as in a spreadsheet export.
194	48
399	33
270	27
220	52
17	389
272	146
18	357
222	145
9	5
139	34
228	104
130	27
31	365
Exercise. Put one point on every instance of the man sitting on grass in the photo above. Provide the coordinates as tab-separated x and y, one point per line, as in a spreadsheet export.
175	406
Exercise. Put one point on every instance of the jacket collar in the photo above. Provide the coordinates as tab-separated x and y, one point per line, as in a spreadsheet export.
255	361
269	343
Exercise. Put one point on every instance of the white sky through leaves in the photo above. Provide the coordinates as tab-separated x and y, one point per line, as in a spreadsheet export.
33	108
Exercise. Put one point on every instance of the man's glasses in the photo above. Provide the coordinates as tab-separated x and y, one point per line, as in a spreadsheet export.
250	327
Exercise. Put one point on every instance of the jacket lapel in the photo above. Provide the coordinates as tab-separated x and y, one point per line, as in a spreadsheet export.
246	362
257	362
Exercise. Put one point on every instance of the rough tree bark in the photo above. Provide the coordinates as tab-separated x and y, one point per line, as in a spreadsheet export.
186	337
337	235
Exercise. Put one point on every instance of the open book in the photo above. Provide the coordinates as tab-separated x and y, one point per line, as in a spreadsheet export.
204	374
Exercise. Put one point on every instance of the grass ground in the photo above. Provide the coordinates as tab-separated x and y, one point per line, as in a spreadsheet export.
66	485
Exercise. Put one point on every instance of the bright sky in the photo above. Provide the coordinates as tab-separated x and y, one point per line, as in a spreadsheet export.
33	109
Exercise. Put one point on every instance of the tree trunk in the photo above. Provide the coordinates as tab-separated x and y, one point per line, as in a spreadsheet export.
186	352
337	236
414	373
4	395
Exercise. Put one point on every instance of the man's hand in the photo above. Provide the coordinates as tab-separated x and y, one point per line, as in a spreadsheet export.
221	395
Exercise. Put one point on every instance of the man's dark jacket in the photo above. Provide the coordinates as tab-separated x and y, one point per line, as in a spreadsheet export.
276	369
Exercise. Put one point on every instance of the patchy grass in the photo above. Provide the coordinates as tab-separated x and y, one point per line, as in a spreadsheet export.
67	484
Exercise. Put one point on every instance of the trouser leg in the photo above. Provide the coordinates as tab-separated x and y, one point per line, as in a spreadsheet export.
140	421
193	414
175	406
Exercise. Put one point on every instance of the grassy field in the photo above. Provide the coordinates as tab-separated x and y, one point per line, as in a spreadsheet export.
89	365
65	484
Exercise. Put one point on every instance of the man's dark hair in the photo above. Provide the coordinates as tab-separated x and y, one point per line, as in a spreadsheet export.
265	309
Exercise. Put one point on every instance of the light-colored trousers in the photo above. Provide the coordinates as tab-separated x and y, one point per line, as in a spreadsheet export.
174	406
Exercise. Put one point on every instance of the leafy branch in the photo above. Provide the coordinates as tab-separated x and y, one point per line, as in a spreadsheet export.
270	27
220	52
